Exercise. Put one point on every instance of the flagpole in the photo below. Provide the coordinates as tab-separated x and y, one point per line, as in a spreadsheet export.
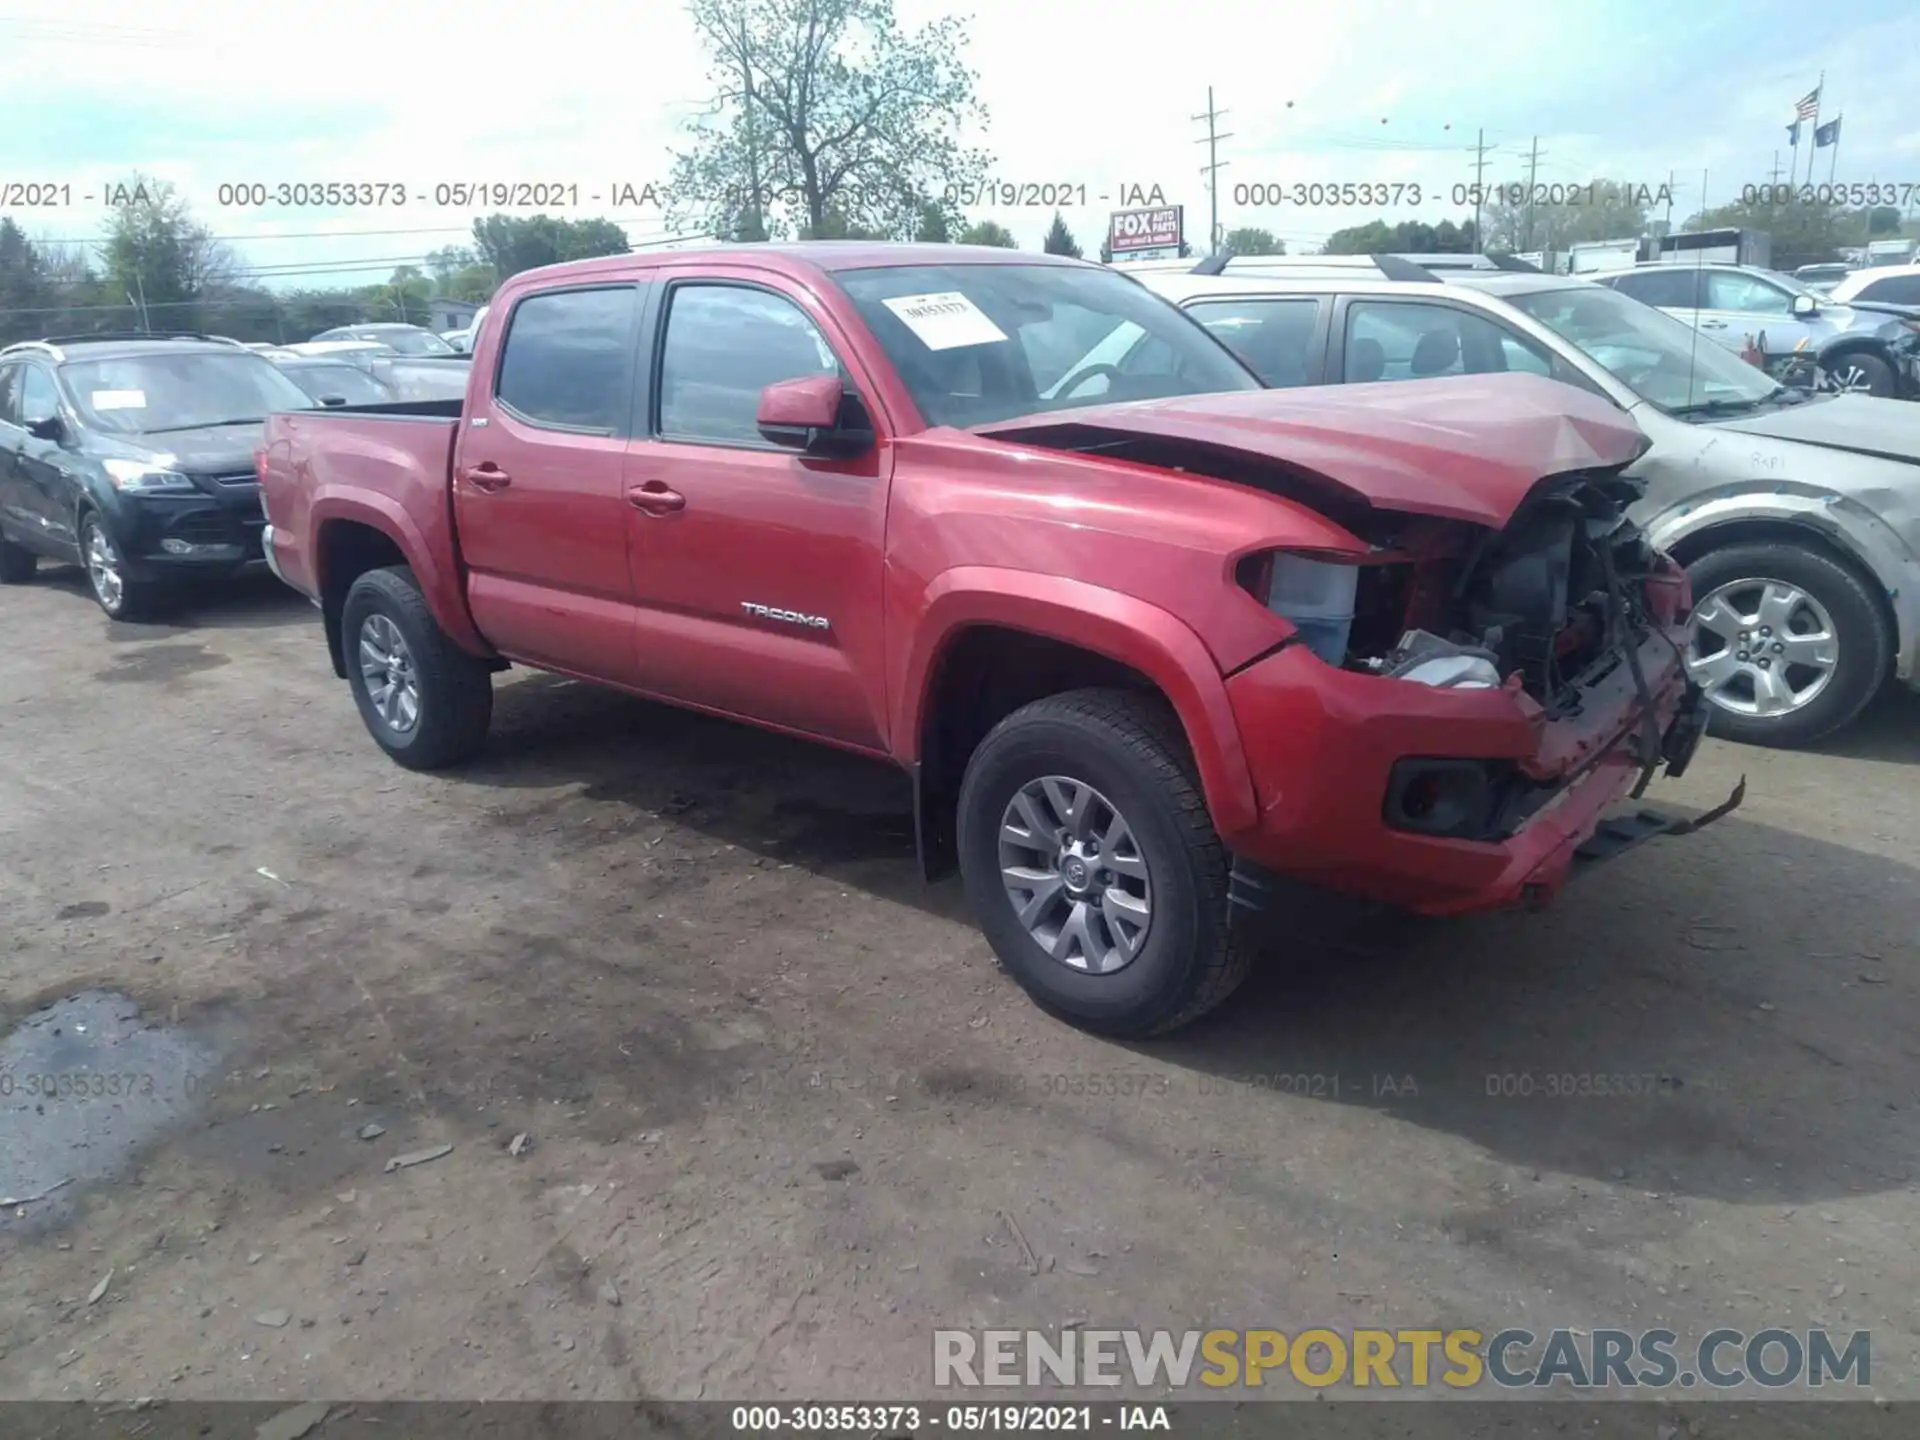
1833	161
1816	123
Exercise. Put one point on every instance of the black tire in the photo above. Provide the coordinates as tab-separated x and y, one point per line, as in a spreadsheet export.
1128	747
17	563
1861	628
455	689
1871	371
138	600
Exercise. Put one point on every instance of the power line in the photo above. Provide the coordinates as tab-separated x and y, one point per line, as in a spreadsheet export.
1212	170
1479	188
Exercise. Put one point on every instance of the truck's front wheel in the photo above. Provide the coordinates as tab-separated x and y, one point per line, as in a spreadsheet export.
426	701
1093	866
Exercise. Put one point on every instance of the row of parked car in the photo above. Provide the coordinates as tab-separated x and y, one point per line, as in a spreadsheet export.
1795	511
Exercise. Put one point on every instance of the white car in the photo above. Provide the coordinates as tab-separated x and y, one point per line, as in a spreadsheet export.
1797	517
1884	284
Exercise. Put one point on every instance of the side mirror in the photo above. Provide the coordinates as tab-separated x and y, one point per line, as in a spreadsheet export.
807	415
1803	306
333	399
47	427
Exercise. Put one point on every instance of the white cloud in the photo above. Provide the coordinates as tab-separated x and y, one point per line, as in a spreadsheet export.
1081	94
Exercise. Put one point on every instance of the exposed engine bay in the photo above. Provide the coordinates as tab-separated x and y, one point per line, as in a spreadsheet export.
1561	590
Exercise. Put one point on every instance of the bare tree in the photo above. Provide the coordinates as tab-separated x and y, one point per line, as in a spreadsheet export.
827	118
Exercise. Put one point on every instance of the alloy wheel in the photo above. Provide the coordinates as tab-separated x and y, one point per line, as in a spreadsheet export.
1762	648
103	568
387	667
1075	875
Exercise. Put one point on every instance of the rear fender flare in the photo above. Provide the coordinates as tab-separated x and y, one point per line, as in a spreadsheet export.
442	590
1106	622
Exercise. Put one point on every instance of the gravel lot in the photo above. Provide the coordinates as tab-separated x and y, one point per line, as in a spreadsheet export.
784	1115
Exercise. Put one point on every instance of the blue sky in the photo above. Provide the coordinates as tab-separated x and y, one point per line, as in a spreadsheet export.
591	96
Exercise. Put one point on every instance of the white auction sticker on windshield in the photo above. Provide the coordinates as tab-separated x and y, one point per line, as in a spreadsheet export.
119	400
946	321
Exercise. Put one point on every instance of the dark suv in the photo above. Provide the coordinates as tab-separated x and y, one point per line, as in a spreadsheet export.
132	455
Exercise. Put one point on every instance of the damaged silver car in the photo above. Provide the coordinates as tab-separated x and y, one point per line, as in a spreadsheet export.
1797	516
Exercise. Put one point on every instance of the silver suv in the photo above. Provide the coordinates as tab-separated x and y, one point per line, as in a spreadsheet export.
1782	321
1797	517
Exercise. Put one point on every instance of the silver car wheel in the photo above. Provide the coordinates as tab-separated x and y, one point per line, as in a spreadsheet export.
386	665
1849	380
1762	648
103	568
1075	875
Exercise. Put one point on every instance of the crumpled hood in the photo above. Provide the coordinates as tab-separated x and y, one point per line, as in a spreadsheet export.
1467	447
1859	424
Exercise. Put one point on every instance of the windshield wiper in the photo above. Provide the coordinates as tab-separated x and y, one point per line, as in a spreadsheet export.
1720	407
205	425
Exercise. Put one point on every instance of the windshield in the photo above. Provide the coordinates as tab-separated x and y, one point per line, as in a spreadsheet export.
980	343
147	394
356	387
415	342
1660	359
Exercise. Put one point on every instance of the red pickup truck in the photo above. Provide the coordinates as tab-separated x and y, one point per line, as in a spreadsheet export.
1143	633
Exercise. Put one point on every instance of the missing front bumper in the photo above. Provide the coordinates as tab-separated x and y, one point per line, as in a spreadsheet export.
1621	833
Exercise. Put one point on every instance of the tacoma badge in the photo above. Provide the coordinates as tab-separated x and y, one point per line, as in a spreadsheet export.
792	617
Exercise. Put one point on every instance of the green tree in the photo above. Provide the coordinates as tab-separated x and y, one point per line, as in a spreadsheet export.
1106	252
1250	240
935	227
1802	234
161	257
824	108
986	232
1413	237
837	227
1059	239
26	290
512	243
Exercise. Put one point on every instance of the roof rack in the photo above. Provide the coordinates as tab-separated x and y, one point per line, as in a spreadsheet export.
1404	268
135	335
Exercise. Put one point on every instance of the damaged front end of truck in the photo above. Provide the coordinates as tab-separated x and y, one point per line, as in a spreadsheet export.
1489	660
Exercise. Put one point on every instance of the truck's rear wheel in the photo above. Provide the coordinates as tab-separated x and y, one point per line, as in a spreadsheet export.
1093	867
425	700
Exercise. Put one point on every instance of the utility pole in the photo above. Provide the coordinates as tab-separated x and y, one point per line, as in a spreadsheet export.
1668	229
1212	170
1479	172
1533	167
1773	175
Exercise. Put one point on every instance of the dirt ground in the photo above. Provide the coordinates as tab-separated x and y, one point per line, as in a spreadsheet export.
785	1116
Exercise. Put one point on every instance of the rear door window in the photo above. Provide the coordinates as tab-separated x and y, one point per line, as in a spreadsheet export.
1408	340
1894	290
1274	337
1666	289
568	359
10	393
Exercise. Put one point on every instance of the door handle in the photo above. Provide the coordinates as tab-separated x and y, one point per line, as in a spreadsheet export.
656	498
488	477
1713	324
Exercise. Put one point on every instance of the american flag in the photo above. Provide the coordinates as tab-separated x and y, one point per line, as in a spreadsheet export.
1808	106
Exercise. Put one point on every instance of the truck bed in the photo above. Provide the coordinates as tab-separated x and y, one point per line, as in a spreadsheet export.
398	457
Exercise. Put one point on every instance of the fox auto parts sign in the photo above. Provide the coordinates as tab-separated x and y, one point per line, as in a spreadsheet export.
1139	233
